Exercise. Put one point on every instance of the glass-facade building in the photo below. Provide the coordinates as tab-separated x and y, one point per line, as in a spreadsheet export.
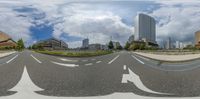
145	28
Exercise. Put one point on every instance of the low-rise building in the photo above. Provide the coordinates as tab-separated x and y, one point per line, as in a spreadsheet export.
6	40
53	44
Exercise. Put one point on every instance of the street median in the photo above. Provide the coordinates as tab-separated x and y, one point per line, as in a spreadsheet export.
169	58
76	54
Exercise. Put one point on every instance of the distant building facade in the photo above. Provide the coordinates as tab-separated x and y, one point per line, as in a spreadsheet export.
53	44
85	43
98	47
169	43
6	40
145	28
197	39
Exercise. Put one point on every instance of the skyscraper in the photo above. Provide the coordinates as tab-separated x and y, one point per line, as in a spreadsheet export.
85	43
145	28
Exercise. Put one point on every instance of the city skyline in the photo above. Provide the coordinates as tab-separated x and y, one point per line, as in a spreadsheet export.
74	21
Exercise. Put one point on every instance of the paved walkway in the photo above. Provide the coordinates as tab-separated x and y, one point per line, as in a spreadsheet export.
170	57
6	53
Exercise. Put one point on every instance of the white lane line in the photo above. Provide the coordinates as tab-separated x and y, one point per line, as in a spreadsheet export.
12	59
67	65
143	58
132	77
98	62
68	60
36	59
93	59
113	59
89	64
124	67
84	60
138	59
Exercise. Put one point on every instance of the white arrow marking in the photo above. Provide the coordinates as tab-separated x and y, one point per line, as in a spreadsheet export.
25	87
132	77
68	60
67	65
12	59
113	59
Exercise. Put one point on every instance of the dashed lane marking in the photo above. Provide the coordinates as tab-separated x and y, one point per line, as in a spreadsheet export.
137	59
98	62
84	60
113	59
36	59
68	60
12	59
125	67
67	65
89	64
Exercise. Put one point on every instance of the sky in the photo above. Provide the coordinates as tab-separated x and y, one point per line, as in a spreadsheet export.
72	21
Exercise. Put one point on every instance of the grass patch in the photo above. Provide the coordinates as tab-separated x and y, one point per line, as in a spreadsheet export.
76	54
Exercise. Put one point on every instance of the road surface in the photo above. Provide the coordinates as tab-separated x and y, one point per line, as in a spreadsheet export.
119	75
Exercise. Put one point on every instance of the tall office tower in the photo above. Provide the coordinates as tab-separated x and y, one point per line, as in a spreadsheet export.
177	44
145	28
169	43
85	43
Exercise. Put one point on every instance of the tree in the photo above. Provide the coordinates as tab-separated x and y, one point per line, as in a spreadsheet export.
20	45
119	47
142	46
110	45
126	47
134	46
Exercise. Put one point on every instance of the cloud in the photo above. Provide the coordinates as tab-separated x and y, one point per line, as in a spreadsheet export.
178	20
82	21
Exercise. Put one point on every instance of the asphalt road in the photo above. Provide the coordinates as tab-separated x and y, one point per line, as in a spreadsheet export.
120	72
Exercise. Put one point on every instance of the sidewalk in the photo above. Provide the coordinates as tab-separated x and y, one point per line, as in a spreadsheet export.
6	53
170	58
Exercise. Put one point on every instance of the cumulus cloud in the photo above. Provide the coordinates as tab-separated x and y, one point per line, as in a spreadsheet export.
97	25
178	20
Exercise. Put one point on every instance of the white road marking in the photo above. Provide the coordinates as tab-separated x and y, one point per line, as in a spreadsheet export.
98	62
84	60
67	65
132	77
138	59
36	59
113	59
143	58
12	59
25	84
124	67
93	59
68	60
89	64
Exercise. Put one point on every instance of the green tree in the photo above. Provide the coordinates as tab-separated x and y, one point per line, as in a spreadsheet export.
134	46
119	47
126	47
110	45
142	46
20	45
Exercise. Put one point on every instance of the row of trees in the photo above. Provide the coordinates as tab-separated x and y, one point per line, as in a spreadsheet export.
111	46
